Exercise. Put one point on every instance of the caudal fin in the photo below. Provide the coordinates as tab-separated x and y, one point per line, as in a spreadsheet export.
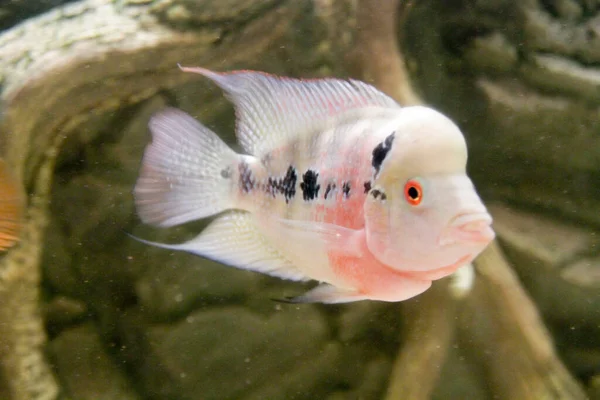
185	173
10	209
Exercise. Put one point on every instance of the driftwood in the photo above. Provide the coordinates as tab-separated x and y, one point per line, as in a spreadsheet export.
508	338
376	39
128	51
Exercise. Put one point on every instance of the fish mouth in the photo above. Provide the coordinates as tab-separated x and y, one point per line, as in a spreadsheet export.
469	228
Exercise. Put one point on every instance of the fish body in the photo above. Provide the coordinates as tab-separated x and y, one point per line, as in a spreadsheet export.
339	184
10	208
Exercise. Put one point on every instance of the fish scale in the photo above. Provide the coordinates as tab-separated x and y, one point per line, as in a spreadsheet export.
340	185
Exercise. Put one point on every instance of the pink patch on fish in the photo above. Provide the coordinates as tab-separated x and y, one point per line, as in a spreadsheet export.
374	279
348	214
442	272
348	210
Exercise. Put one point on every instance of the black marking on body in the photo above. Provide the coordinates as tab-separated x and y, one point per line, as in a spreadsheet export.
285	186
266	159
273	186
288	185
247	181
378	193
346	189
329	189
226	173
310	187
367	186
381	151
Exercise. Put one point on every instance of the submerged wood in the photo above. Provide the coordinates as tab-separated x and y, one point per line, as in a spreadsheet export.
377	55
429	328
507	336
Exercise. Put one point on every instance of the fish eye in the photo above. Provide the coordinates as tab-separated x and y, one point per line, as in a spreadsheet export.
413	192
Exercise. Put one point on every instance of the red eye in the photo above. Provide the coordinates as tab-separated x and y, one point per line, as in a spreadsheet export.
413	192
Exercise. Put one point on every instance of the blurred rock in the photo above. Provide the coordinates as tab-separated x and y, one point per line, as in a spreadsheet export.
553	259
375	379
549	243
85	369
180	283
309	379
62	311
365	319
232	352
539	248
584	361
372	384
57	267
200	12
460	378
14	11
585	272
94	214
594	389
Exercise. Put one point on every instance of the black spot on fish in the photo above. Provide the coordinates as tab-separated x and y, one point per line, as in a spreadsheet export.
288	185
309	186
346	189
226	173
246	179
266	159
271	187
380	152
285	186
378	193
330	187
367	186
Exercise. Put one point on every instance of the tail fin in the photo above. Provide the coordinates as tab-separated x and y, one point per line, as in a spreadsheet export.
10	209
185	173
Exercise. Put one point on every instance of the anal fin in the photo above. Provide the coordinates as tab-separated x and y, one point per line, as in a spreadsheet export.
234	239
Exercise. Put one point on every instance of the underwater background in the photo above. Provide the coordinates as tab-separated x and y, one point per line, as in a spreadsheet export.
86	312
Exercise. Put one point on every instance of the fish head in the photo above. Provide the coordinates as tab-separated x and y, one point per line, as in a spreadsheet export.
423	212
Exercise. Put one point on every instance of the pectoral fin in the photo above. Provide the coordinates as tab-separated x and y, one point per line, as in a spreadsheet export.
311	244
313	235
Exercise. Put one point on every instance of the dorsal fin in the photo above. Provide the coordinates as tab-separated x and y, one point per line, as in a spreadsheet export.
272	110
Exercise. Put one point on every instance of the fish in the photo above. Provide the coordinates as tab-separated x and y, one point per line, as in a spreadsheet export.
337	183
11	208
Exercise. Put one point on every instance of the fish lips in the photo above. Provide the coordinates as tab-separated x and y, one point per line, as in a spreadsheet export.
470	229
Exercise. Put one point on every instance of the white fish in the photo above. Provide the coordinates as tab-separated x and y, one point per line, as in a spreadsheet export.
339	184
